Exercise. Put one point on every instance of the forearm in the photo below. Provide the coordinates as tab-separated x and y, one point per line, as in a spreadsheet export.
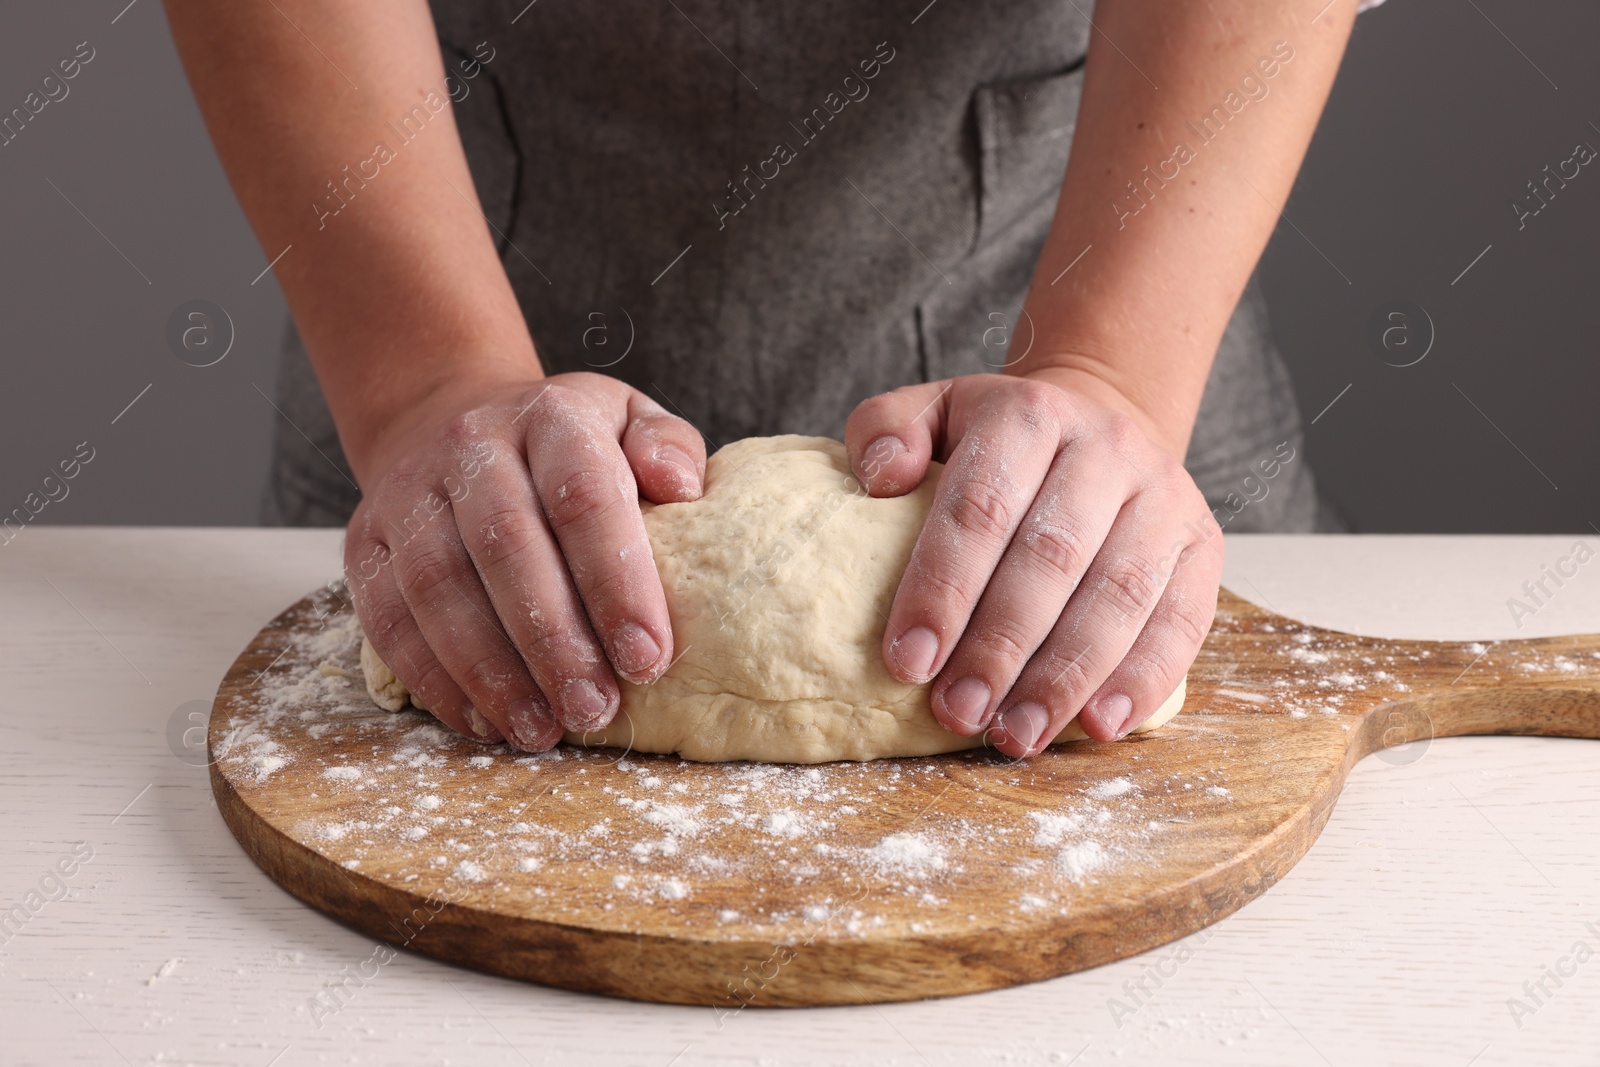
391	273
1174	194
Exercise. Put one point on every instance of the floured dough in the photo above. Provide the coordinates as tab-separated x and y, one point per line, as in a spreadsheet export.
779	581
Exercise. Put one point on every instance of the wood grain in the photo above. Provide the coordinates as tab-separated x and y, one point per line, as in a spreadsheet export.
1190	823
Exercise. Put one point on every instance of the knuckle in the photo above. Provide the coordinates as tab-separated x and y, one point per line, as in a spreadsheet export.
605	593
1058	544
648	415
1132	583
555	655
556	394
936	586
583	495
529	401
1064	676
361	530
364	559
489	674
504	534
1001	643
1190	620
409	469
1204	555
463	429
391	631
664	428
549	408
563	398
422	569
359	545
1123	435
1034	405
981	507
433	684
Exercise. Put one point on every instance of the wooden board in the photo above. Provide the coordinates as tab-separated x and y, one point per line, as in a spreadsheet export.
734	885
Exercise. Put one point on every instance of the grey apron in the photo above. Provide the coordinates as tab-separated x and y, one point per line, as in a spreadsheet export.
776	210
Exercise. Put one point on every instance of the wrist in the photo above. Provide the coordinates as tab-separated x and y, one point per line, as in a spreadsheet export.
380	414
1166	423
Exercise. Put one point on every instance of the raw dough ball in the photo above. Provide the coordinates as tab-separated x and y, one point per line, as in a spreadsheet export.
779	581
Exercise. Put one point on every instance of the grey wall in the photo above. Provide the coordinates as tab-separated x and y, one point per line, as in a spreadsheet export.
1438	120
83	328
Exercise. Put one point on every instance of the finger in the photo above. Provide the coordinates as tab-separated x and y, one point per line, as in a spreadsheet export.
586	490
987	486
1044	564
440	585
1094	633
1165	648
890	437
387	621
521	567
667	455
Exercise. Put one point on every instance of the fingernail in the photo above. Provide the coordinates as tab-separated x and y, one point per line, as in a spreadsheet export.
679	458
481	727
914	652
1025	723
1113	709
966	701
633	650
533	724
880	453
586	708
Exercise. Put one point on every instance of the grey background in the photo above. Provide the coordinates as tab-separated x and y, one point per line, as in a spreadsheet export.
1442	113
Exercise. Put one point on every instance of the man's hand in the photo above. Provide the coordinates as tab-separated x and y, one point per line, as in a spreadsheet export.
500	565
1069	566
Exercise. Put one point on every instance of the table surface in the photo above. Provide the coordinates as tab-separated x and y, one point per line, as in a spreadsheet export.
1448	885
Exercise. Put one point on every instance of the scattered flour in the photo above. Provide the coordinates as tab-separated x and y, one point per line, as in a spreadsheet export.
1053	826
1116	787
1079	861
675	819
783	824
265	765
911	854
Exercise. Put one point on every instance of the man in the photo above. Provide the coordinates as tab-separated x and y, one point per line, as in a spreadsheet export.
727	219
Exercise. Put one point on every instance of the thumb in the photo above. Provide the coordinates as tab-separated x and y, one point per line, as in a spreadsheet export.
667	455
890	437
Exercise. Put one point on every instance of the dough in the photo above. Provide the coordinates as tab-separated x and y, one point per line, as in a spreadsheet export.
779	580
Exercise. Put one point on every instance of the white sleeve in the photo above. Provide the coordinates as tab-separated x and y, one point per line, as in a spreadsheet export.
1365	4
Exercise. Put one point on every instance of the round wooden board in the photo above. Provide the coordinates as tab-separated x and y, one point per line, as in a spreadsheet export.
734	885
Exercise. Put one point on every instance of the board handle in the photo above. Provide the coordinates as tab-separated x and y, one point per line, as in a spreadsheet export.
1535	708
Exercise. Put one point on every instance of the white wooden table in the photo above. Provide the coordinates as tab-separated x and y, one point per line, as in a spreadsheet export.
1439	888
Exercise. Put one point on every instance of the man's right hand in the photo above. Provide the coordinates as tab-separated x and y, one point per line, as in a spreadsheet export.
499	564
499	561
